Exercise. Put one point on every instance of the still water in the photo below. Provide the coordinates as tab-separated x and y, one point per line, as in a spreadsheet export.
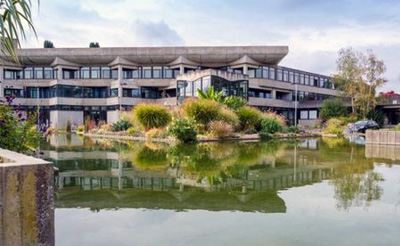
311	192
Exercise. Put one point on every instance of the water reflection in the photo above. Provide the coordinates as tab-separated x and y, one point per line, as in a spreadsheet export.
103	174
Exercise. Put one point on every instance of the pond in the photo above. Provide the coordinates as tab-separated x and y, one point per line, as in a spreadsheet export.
308	192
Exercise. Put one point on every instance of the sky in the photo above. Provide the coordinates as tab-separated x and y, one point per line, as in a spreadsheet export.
314	30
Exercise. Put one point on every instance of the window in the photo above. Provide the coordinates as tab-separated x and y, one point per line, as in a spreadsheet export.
9	74
304	114
302	80
39	73
312	114
279	74
285	76
114	74
272	73
265	72
147	72
157	72
291	77
48	73
95	72
296	78
259	72
105	72
251	72
168	73
14	92
28	73
307	79
114	92
85	73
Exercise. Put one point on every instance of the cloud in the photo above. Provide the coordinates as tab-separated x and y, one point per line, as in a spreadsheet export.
154	33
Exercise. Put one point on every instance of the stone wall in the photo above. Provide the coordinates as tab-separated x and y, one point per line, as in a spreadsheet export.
26	201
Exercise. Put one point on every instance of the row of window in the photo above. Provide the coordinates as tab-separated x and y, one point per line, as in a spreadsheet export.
91	73
309	96
31	73
308	114
150	73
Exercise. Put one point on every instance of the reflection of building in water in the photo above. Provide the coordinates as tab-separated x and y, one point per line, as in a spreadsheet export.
26	201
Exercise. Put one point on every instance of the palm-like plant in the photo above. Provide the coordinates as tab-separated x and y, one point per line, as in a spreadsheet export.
210	94
15	17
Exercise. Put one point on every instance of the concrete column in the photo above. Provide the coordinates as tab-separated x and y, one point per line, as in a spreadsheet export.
273	94
181	69
245	69
59	73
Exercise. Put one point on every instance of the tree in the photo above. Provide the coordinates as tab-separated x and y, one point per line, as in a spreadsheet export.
16	16
94	45
358	77
48	44
332	108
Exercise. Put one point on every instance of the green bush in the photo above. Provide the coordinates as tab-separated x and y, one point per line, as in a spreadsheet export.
377	115
152	116
203	111
228	116
248	117
121	125
184	130
334	126
332	108
80	128
270	125
132	131
397	128
234	102
293	129
220	129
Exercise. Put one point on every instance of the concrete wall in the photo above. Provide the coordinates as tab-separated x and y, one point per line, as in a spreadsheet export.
112	116
59	119
309	123
26	200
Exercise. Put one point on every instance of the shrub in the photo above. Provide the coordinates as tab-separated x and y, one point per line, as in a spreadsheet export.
121	125
378	116
332	108
270	125
132	131
203	111
334	126
68	128
248	117
294	129
397	127
184	130
80	128
220	129
152	116
234	102
156	133
107	127
228	116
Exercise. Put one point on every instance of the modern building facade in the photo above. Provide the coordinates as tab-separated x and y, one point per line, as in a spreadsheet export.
70	84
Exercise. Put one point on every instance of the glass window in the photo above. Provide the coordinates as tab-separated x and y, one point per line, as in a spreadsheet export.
196	86
279	74
168	73
272	73
307	79
176	72
259	72
296	78
291	77
114	74
48	73
157	72
312	114
302	80
114	92
265	72
38	73
28	73
85	73
9	74
105	72
147	72
206	83
238	70
95	72
304	114
251	72
285	76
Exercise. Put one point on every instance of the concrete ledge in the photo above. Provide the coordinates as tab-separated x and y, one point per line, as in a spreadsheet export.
9	159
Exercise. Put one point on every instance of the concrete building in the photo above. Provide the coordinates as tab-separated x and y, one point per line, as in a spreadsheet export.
69	84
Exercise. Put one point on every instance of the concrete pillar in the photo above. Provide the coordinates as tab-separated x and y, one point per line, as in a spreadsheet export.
181	69
273	94
59	73
245	69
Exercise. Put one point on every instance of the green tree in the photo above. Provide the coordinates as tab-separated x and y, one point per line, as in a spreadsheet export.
210	94
359	76
16	16
94	45
48	44
332	108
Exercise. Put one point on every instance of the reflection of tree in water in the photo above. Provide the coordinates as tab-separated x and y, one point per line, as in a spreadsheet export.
356	184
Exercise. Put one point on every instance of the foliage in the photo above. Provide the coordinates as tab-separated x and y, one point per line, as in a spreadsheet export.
94	45
334	126
121	125
397	127
220	129
184	130
156	133
149	157
210	94
89	124
68	128
228	116
234	102
203	111
106	127
16	16
332	108
248	117
378	116
270	125
48	44
80	128
358	77
17	133
152	116
132	131
389	94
